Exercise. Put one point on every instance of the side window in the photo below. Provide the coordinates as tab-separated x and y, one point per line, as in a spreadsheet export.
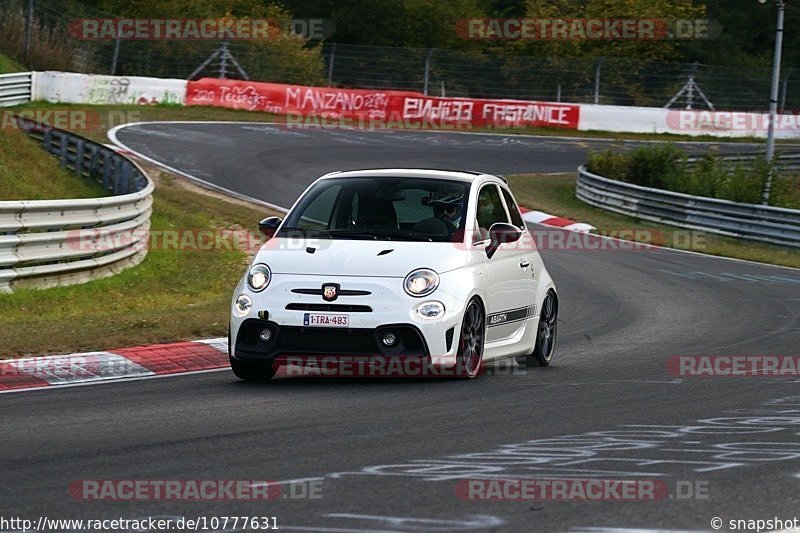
490	209
317	214
513	210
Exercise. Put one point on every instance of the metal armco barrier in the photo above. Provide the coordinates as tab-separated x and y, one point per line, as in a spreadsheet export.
784	162
773	225
16	89
54	242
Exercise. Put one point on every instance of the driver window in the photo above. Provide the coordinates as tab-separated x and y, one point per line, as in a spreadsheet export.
516	218
490	210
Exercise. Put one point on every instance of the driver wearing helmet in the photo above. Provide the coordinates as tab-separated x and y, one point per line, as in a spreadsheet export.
450	213
447	207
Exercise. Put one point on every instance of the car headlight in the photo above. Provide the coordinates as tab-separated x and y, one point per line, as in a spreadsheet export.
259	277
242	305
421	282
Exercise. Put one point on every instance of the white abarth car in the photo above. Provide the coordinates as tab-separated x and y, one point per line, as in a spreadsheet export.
430	265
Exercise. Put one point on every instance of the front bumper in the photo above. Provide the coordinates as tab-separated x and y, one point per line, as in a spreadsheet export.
317	341
379	306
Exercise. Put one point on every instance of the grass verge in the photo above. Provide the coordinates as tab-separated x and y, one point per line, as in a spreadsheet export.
8	65
27	172
174	294
555	194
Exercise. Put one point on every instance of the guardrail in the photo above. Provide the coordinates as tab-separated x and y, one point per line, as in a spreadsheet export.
773	225
55	242
16	89
784	162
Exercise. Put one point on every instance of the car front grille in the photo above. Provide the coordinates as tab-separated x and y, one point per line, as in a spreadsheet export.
342	292
326	340
332	308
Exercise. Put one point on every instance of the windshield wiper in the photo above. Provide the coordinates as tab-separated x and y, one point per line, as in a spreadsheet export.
354	233
411	236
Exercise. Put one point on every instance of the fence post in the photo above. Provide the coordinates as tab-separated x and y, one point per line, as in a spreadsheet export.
330	65
63	152
28	29
427	70
597	80
115	56
783	91
108	162
79	149
223	60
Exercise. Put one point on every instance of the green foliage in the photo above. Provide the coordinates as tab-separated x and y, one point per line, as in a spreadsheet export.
414	23
786	191
655	165
745	182
641	49
51	47
607	163
8	65
664	166
283	57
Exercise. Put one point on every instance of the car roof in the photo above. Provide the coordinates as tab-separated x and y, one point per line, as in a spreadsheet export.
459	175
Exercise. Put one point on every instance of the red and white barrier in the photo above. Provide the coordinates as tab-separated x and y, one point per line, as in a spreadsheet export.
93	89
373	108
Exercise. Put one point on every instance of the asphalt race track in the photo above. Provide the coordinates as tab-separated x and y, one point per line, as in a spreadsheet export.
388	454
273	163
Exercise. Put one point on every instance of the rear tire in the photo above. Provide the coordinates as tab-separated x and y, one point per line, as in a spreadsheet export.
544	348
252	371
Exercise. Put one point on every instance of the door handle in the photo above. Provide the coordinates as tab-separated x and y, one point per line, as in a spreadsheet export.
524	263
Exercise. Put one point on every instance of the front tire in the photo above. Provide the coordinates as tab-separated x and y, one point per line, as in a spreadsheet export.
471	340
543	350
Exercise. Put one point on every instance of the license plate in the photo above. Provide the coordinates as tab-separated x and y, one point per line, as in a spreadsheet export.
326	320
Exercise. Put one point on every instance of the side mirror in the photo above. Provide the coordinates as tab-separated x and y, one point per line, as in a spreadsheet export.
269	226
501	233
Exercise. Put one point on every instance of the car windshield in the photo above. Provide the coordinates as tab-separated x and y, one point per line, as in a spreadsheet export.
381	208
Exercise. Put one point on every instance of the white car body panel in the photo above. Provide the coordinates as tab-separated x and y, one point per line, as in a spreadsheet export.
513	279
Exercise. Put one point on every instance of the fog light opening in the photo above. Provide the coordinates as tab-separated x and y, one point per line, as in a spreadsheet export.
265	335
389	339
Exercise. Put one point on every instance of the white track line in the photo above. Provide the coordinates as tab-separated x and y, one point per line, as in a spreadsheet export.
113	380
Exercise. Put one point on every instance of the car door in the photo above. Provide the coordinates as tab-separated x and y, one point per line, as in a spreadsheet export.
508	278
529	260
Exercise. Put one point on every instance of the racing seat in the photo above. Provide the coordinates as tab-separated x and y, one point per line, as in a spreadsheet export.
434	227
377	213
